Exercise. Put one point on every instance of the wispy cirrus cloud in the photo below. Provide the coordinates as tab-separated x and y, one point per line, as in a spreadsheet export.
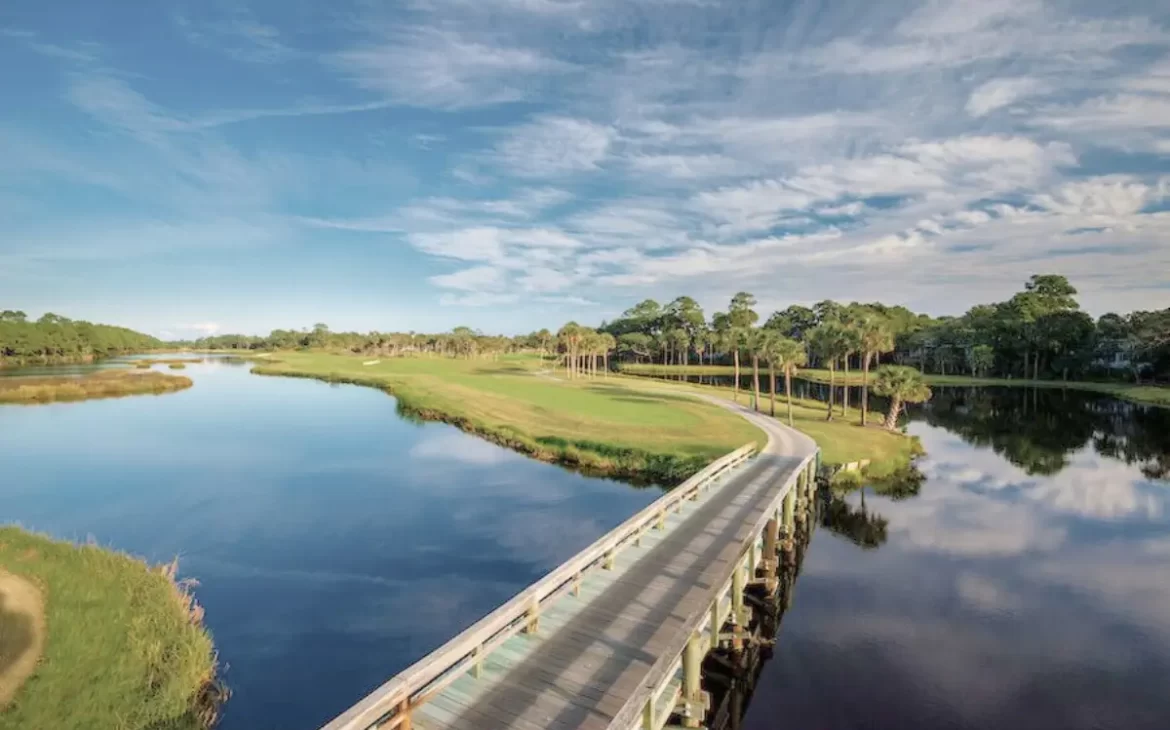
560	151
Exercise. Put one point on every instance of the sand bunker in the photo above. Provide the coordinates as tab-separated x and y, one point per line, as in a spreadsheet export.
22	633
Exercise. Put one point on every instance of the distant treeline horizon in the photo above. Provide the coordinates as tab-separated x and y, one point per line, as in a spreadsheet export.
1040	332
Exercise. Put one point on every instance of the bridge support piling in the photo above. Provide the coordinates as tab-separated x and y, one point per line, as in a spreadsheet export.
694	702
789	509
739	614
771	546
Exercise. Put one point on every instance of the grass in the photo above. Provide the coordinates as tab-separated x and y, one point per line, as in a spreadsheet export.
842	440
148	362
177	366
102	384
125	647
608	427
619	426
1150	394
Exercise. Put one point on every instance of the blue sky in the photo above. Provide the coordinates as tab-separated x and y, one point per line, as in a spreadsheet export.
187	167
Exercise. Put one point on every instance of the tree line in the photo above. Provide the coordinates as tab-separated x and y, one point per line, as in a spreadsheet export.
56	339
834	335
1040	332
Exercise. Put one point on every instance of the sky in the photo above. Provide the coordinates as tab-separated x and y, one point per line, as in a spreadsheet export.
194	167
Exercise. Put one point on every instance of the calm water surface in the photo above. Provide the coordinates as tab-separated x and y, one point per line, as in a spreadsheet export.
1022	582
1026	584
334	542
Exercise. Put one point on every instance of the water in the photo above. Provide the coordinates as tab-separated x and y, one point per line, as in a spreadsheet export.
1022	582
334	542
1026	585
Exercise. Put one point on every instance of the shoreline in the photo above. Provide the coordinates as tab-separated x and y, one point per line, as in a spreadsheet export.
166	672
637	466
1155	395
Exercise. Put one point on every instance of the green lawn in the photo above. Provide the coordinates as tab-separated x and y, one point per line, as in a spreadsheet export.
1151	394
604	426
842	440
632	427
124	648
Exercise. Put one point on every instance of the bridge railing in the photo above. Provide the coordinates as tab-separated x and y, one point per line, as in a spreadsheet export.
390	705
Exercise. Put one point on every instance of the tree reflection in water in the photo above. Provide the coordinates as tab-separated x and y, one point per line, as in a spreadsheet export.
1037	429
859	526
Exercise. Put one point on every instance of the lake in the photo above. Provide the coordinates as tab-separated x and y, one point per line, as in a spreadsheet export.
1026	585
1022	581
334	542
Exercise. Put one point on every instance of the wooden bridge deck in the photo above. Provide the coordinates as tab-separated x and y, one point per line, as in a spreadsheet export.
610	652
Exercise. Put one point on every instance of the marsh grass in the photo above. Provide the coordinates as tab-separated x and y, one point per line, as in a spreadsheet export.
126	646
102	384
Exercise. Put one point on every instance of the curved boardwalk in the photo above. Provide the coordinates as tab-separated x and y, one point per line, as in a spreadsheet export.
616	650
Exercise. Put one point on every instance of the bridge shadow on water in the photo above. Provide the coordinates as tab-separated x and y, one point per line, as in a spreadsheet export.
581	675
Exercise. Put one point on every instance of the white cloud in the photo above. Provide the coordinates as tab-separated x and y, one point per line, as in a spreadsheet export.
1114	197
476	278
440	68
998	93
635	162
686	167
551	146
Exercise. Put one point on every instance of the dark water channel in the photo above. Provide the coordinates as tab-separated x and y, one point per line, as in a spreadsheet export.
1022	580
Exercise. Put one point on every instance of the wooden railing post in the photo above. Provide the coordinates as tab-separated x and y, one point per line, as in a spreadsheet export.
533	616
404	713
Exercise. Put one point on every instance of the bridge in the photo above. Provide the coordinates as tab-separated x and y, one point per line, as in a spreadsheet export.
615	638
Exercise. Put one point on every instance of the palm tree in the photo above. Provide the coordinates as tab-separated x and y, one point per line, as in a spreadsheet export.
771	356
569	338
755	342
791	355
829	342
608	344
876	339
727	338
851	344
700	343
902	385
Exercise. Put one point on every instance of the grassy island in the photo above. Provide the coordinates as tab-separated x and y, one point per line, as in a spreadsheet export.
102	384
1150	394
116	644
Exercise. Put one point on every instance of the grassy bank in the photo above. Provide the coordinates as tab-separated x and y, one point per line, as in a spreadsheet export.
1150	394
102	384
842	440
148	362
124	648
602	426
